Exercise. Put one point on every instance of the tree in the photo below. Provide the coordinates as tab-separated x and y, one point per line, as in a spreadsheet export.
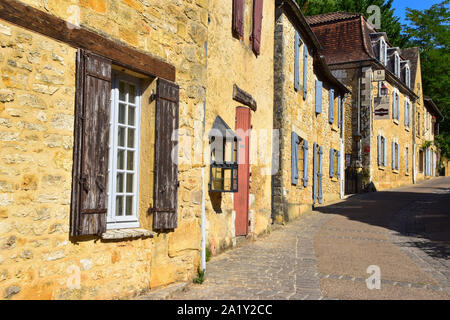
429	29
389	22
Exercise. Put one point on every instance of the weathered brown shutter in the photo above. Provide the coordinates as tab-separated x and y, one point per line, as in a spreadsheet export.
257	25
166	169
238	18
90	165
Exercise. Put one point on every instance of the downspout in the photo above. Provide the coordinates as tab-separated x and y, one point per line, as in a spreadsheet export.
414	142
342	163
359	114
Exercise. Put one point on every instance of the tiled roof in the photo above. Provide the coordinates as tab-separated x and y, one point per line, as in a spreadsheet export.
331	17
343	40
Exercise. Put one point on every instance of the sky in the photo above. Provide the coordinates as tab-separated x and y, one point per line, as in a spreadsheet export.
401	5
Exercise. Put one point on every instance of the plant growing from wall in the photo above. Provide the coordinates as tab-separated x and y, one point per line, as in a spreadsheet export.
427	144
200	276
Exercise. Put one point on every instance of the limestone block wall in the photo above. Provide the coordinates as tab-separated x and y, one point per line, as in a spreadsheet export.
386	177
293	113
37	92
230	62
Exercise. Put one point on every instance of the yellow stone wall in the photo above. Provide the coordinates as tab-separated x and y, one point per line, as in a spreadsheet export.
37	90
393	130
232	61
299	115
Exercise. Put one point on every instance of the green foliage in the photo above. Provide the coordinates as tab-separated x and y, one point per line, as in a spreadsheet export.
429	29
389	22
200	276
208	254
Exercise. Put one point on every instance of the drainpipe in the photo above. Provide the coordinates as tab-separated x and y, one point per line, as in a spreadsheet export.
359	114
414	142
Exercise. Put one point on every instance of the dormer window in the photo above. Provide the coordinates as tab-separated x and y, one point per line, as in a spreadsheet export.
408	76
383	52
397	64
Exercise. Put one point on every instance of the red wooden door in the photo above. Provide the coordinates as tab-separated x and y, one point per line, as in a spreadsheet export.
241	198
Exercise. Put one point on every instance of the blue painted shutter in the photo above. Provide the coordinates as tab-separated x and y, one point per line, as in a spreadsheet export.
318	96
338	173
379	150
296	62
393	105
305	163
398	157
331	106
385	152
294	158
331	163
405	121
305	71
315	172
320	174
393	155
339	111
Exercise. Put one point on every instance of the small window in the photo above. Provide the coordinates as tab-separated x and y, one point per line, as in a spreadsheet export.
408	76
397	64
301	158
383	52
124	152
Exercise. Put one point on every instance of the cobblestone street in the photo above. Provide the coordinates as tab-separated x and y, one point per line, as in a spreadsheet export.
325	254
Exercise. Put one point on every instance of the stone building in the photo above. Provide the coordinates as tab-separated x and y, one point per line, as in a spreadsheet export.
105	108
308	114
379	117
425	123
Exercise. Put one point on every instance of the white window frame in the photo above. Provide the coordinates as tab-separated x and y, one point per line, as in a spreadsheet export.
383	51
132	221
397	64
408	76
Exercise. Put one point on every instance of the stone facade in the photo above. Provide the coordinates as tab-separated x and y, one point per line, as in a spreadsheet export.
37	93
293	113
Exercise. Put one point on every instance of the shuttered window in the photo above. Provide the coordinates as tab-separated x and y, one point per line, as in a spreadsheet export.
332	154
89	200
294	158
305	71
166	154
257	25
320	175
314	191
305	163
331	106
406	159
384	144
340	111
238	18
318	102
338	169
296	61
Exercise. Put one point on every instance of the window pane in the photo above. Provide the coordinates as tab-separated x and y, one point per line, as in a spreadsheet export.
121	137
130	183
119	206
130	138
122	91
129	206
132	94
119	183
131	115
122	110
120	159
130	160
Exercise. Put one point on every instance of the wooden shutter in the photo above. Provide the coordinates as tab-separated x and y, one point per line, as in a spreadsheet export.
90	154
318	96
166	155
393	105
294	158
320	175
314	194
379	150
385	152
405	121
331	162
257	25
331	106
238	18
305	70
305	163
397	151
296	62
339	111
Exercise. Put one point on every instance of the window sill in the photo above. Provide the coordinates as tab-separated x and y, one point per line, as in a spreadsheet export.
407	129
334	179
407	174
381	168
118	234
395	171
396	122
334	128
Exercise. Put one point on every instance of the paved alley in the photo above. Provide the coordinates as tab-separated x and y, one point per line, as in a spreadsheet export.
325	254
